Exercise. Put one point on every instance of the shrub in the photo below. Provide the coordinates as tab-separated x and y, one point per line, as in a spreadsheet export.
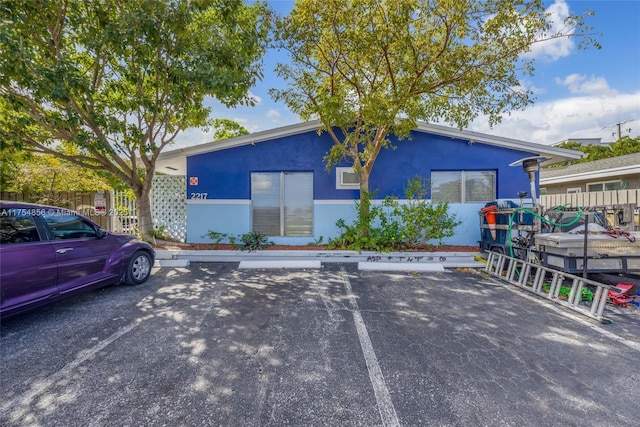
216	236
253	242
393	225
158	233
248	241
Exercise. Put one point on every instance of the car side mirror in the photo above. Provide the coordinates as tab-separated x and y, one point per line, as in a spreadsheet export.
101	233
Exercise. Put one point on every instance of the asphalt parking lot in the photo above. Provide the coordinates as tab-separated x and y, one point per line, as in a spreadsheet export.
211	345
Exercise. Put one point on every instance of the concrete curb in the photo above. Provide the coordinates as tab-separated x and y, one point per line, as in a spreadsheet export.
280	264
399	266
367	260
323	255
164	254
171	263
472	264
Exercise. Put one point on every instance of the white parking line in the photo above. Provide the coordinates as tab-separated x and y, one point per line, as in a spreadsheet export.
40	387
380	390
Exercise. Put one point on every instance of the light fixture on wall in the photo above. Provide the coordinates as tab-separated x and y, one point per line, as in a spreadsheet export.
531	165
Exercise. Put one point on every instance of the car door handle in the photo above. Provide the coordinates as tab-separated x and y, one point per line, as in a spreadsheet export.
63	250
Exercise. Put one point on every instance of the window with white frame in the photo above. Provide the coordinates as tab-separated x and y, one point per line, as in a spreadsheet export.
346	179
573	190
282	203
463	186
604	186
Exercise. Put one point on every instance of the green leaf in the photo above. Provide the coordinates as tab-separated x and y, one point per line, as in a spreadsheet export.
369	69
119	79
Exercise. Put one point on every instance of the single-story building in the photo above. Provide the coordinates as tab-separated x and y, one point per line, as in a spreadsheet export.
275	181
614	173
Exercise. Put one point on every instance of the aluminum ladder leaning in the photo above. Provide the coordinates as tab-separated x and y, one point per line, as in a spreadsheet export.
547	282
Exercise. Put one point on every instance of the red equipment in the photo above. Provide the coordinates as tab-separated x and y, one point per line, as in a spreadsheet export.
490	215
620	294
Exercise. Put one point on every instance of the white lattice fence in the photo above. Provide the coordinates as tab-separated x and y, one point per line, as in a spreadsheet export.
169	207
124	213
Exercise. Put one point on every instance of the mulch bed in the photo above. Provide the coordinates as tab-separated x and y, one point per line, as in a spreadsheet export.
211	246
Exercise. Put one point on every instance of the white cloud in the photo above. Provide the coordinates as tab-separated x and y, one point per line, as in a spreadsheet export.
584	116
556	48
197	136
581	84
528	85
255	98
250	125
189	137
273	115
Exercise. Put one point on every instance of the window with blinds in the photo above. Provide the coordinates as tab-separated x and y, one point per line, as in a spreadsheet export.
282	203
463	186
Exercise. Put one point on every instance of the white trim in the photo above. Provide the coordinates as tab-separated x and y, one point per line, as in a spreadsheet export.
238	141
218	202
583	176
340	184
177	158
352	201
322	202
603	183
516	144
248	202
334	202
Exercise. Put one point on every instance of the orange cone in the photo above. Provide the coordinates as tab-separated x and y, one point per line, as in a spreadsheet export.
490	214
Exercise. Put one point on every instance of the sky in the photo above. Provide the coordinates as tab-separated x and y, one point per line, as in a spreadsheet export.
578	93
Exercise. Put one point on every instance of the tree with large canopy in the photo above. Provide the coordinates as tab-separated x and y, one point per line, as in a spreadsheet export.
621	147
368	69
43	174
121	78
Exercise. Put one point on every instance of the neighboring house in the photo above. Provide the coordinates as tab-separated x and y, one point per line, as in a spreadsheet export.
582	141
275	182
614	173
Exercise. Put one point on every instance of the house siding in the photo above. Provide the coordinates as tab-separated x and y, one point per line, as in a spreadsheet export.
625	169
628	182
224	176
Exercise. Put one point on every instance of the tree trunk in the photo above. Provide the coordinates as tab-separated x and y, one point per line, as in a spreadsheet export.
365	204
145	219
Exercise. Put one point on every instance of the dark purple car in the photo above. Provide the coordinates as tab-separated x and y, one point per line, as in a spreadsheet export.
49	253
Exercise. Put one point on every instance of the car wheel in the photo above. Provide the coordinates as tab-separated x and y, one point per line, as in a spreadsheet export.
139	268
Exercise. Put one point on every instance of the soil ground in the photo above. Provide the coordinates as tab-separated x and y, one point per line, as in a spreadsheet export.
211	246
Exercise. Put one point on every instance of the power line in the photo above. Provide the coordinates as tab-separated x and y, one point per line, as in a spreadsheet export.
619	126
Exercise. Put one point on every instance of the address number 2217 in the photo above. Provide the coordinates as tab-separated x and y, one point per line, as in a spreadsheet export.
199	196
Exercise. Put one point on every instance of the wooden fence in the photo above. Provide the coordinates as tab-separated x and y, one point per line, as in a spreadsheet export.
610	202
592	199
82	202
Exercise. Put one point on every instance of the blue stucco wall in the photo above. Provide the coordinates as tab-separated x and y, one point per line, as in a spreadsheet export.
228	217
224	176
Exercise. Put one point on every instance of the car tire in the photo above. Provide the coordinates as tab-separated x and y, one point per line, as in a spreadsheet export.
139	268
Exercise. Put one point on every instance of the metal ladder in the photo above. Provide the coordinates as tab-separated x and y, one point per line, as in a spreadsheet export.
533	278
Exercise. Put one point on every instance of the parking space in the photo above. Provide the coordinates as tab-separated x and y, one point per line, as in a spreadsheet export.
212	344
